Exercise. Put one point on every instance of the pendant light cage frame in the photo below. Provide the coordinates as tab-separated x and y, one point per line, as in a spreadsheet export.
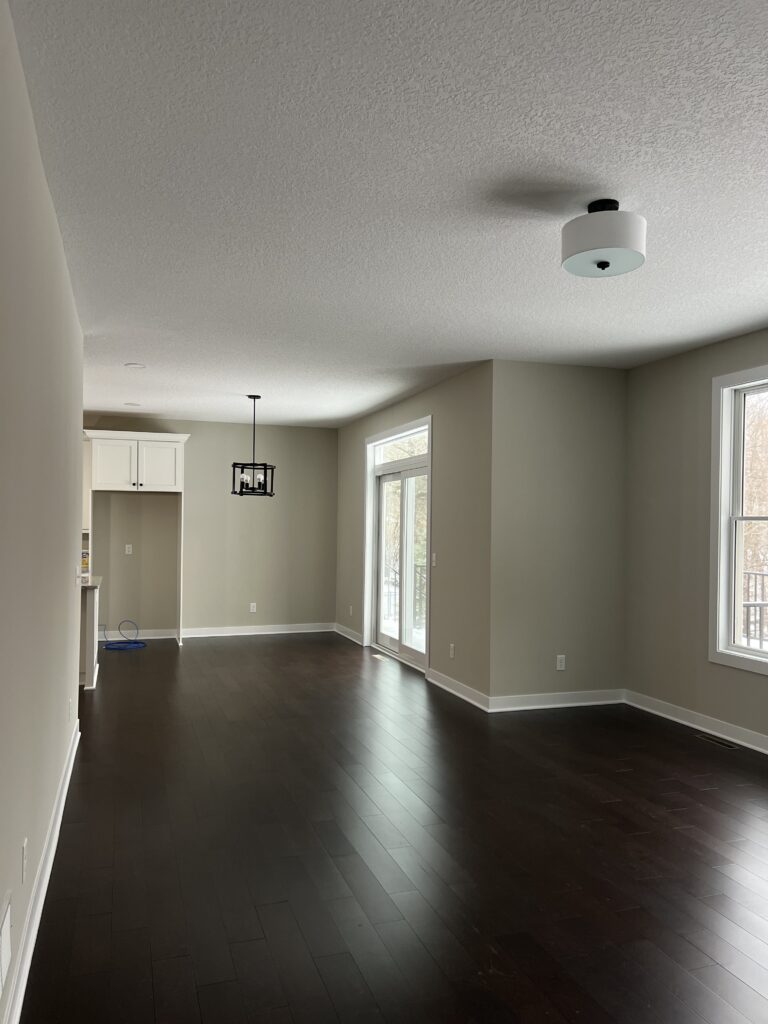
253	478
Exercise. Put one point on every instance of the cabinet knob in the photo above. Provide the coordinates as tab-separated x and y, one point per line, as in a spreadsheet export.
141	485
133	484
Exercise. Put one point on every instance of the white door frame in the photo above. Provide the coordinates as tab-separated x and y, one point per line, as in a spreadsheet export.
372	471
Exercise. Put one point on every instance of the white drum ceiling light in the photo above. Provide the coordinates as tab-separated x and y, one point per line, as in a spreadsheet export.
604	242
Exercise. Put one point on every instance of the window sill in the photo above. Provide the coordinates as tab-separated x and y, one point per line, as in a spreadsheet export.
738	658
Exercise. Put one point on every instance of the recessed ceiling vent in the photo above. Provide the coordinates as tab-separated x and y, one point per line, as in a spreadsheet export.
604	242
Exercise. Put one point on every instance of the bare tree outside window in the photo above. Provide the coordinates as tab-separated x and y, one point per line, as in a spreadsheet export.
406	447
752	534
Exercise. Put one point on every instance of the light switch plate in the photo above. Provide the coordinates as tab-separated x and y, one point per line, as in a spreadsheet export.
5	944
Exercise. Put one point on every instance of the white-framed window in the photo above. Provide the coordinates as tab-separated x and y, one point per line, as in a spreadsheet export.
739	568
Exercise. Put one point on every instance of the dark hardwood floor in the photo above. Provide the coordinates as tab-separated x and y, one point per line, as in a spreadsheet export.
289	829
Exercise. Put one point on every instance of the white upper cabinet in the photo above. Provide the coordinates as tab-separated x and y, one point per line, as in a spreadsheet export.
161	465
114	464
127	461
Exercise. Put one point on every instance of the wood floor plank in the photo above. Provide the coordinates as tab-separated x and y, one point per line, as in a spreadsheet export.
175	991
351	997
301	982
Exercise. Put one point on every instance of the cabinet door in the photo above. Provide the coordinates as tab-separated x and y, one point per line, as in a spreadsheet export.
161	466
114	464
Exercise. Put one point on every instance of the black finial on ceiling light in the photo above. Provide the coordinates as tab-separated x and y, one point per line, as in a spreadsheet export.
600	205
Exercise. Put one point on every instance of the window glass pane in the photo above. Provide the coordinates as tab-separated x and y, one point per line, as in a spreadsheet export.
389	559
415	563
751	625
755	496
402	447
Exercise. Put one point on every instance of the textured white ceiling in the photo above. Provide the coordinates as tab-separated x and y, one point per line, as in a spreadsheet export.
338	201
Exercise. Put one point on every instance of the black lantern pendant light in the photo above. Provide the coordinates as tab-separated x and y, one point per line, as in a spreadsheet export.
253	477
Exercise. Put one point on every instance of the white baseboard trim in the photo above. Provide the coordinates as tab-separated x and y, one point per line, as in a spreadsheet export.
585	698
467	693
523	701
95	678
350	634
695	720
17	982
270	630
564	699
144	634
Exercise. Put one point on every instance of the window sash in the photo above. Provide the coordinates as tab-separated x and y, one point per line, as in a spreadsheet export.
379	446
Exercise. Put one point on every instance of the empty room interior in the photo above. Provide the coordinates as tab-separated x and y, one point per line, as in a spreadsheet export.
384	461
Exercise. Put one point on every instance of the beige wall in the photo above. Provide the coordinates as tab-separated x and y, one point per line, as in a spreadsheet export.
557	577
530	555
461	519
40	464
140	586
668	509
279	552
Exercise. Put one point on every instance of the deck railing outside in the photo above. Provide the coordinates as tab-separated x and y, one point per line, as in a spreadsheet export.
755	609
390	594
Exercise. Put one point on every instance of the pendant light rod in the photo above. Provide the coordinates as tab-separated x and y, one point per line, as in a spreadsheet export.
254	399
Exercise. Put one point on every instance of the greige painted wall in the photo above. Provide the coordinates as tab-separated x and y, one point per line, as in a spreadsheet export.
140	586
40	500
279	552
461	519
668	509
557	554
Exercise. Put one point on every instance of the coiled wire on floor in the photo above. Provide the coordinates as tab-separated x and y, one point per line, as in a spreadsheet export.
128	643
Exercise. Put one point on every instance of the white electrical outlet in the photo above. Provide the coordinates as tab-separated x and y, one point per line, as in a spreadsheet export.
350	611
129	549
253	607
24	860
451	650
560	663
434	559
5	944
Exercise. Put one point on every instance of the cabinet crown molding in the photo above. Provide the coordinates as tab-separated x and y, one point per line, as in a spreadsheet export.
135	435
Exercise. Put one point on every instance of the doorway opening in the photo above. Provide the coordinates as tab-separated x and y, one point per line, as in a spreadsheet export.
397	542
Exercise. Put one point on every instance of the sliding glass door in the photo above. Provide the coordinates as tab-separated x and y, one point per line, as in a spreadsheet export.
402	573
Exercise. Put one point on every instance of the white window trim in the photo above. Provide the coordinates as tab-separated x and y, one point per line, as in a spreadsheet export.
369	554
726	453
